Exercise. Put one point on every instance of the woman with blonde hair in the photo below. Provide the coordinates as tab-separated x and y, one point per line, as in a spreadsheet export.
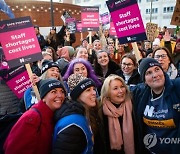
117	116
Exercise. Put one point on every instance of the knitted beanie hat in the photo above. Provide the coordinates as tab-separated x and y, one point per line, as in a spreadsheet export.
77	84
145	64
49	84
48	64
149	51
156	41
71	51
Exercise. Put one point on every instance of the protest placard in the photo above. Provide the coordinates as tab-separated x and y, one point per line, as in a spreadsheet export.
127	20
90	18
104	18
112	30
71	24
176	14
17	80
19	41
151	29
78	26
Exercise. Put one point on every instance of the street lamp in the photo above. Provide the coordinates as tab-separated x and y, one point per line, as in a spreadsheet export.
52	16
151	11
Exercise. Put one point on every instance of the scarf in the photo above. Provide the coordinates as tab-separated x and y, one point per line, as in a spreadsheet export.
172	71
118	138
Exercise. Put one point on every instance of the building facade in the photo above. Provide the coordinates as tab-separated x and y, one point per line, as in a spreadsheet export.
155	11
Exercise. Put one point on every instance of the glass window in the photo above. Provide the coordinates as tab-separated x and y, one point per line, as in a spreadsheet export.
164	9
77	1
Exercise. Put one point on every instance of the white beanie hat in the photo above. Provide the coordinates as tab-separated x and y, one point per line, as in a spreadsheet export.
156	41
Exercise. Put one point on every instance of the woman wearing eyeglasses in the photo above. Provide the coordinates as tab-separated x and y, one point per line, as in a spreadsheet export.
128	70
163	56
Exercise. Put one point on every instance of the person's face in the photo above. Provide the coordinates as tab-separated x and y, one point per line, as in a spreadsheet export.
103	58
106	32
88	97
155	46
97	46
120	48
111	43
127	66
54	98
111	49
36	31
162	57
47	57
178	46
85	43
154	78
53	31
82	53
117	91
49	50
147	45
53	72
80	68
67	32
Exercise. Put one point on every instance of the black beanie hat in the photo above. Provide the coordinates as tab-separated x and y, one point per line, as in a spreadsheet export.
48	64
53	28
149	51
145	64
80	87
47	85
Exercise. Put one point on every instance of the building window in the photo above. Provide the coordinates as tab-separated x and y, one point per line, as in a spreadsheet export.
98	6
154	11
168	9
77	1
148	11
164	9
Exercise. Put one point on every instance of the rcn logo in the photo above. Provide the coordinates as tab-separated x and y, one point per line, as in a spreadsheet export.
22	60
131	38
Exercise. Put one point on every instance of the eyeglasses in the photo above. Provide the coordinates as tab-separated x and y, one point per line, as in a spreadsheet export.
163	56
128	65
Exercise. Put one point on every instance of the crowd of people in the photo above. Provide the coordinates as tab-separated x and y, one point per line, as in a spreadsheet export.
95	98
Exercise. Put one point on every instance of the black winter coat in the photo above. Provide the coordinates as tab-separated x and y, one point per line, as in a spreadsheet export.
133	80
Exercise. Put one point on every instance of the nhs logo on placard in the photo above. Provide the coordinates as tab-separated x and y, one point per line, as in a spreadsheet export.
22	60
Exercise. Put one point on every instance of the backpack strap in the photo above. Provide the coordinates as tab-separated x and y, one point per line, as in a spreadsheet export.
36	110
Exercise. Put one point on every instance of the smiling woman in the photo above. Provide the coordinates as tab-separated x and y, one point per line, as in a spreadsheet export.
75	129
36	124
103	65
163	56
129	70
117	115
